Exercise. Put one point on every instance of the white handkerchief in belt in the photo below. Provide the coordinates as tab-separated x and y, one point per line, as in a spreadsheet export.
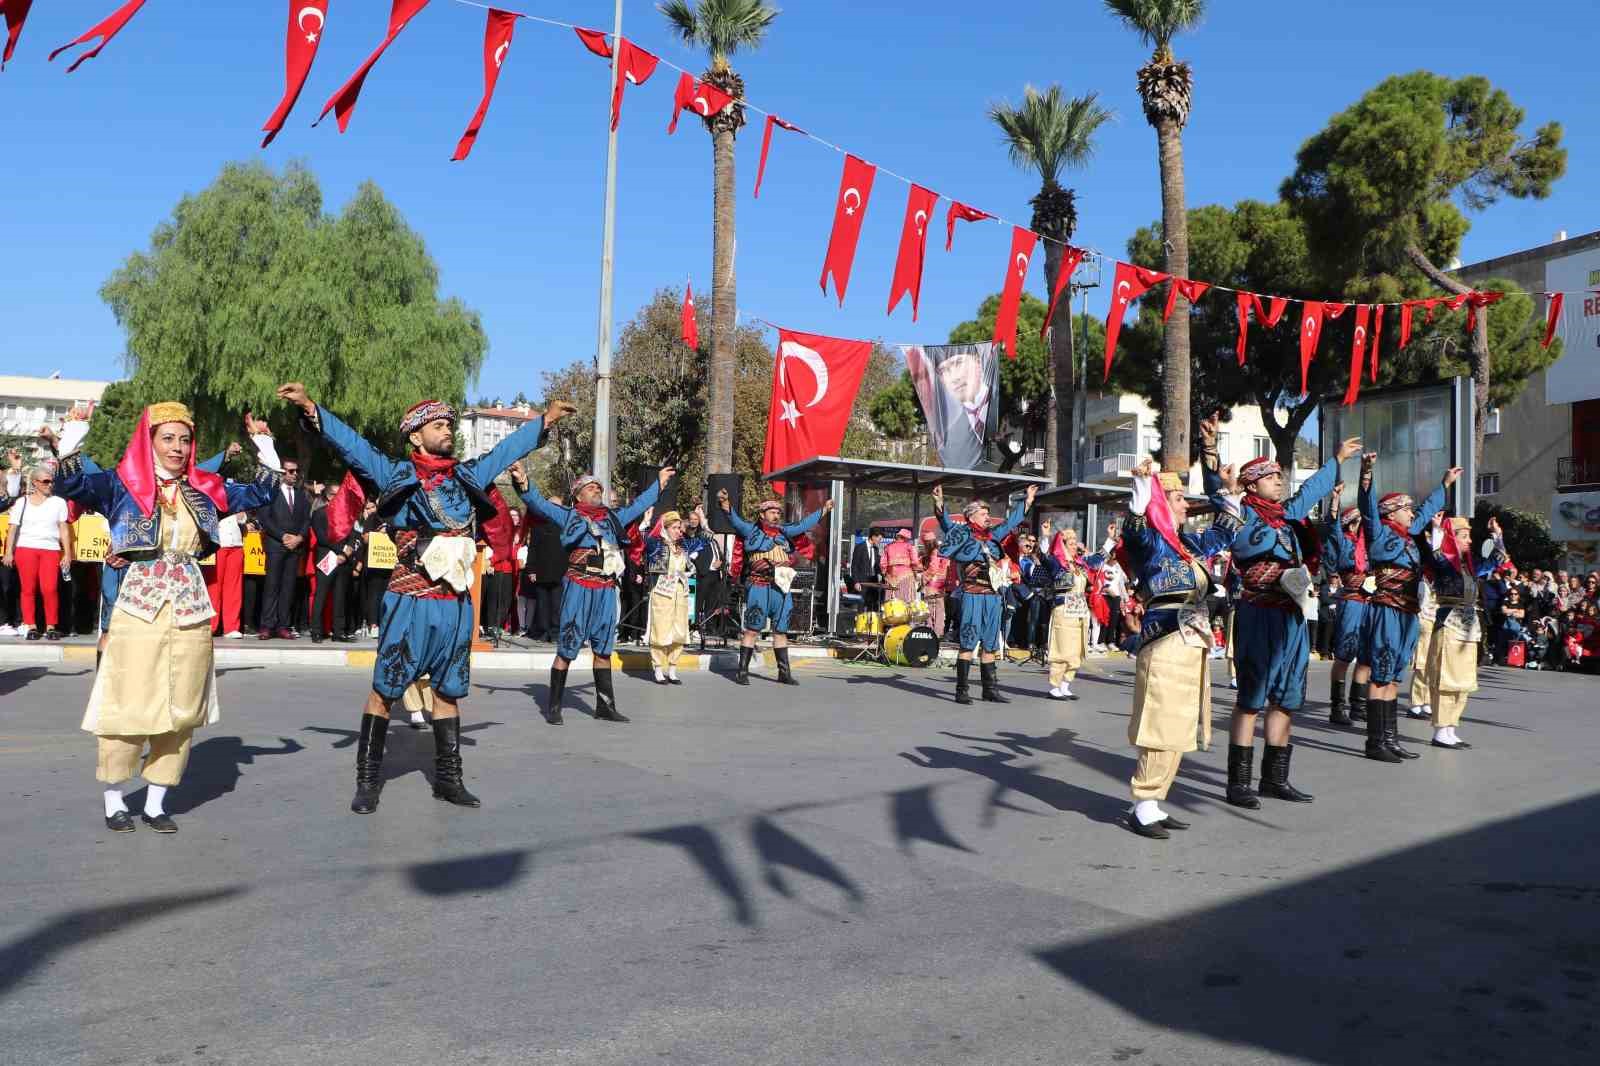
999	576
449	559
1298	584
612	563
1195	627
783	577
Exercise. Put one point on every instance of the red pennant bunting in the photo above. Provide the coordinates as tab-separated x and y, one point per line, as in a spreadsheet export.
701	97
913	248
690	321
1477	301
1377	339
960	212
596	41
1131	282
855	189
496	43
1070	258
1310	334
1553	317
16	13
766	144
1358	354
1005	320
307	18
1268	316
343	102
105	29
634	64
1190	290
1405	322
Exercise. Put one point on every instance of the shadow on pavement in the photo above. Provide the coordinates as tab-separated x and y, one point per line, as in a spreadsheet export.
214	769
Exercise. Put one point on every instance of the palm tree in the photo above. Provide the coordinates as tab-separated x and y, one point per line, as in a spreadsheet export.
1049	133
1166	88
721	27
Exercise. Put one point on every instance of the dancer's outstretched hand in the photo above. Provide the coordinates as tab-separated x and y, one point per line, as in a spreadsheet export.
295	393
1349	449
557	410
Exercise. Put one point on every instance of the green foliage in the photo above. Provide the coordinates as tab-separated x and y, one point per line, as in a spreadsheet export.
1050	132
1527	535
1157	22
721	27
249	284
1025	380
895	411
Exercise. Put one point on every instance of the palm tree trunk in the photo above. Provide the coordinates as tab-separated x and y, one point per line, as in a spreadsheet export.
1175	343
1482	358
1058	433
719	435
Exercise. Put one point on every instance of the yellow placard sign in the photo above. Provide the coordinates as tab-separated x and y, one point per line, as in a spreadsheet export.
91	537
255	555
381	553
5	527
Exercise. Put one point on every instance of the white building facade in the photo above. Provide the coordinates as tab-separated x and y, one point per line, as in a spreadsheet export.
484	427
29	404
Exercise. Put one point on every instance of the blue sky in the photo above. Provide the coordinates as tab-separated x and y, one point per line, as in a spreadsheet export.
94	160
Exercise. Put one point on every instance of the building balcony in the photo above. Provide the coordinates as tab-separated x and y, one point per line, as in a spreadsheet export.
1109	467
1577	474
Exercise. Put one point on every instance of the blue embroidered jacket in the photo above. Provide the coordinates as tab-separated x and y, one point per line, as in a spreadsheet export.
1338	554
1396	561
1167	582
1449	584
576	530
1257	541
960	546
757	539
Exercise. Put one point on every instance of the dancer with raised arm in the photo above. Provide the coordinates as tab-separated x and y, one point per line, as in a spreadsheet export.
768	550
1451	666
1345	549
434	503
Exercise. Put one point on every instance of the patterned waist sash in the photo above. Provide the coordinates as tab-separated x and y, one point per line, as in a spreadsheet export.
586	566
1259	585
1351	584
975	578
1398	587
408	578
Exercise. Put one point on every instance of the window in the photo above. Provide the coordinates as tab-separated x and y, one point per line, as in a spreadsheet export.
1222	445
1488	484
1114	443
1152	443
1263	447
1491	422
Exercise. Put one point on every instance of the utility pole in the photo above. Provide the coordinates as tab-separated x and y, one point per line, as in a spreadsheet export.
604	419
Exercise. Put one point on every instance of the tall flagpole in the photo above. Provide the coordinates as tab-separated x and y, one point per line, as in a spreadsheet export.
604	419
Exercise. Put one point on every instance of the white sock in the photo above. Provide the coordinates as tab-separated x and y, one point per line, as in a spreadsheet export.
660	677
416	718
1148	811
1066	688
153	796
672	673
1452	731
114	801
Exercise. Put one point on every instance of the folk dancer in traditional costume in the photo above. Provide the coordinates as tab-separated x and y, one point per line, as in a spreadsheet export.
670	568
596	537
768	551
1075	579
1172	676
1344	548
1427	610
434	503
1275	553
1390	629
1451	668
156	684
901	566
974	549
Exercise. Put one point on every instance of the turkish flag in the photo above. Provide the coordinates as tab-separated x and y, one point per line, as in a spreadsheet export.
814	385
913	248
343	102
701	97
16	13
306	21
1477	301
1377	339
1130	283
1358	354
1070	258
766	144
1553	317
496	43
960	212
1005	320
690	323
105	29
855	189
345	508
1268	318
1191	291
634	64
1311	320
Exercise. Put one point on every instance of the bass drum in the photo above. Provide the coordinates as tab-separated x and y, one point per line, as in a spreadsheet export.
910	646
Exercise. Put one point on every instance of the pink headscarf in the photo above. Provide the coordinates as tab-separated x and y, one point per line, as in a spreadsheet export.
137	470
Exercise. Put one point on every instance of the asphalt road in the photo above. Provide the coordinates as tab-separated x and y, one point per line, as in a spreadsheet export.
853	871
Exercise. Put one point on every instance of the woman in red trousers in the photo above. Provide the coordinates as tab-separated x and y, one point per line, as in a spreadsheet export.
39	546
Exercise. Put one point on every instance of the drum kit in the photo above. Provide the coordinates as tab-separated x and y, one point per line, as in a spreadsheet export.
901	632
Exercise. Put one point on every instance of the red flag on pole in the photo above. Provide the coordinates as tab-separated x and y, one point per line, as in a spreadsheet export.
496	43
814	385
701	97
634	64
306	21
343	102
855	189
766	144
690	323
960	212
345	507
1358	354
1005	321
1191	290
1553	317
105	29
16	13
1131	282
1070	258
913	248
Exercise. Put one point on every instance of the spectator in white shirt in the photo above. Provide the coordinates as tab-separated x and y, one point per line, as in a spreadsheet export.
39	547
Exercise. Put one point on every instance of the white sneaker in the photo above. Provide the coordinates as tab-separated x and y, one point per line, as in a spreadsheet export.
1233	682
1055	692
235	635
8	631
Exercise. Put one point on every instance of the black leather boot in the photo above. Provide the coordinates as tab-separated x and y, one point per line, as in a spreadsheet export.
785	675
989	674
605	700
743	676
963	681
552	704
1358	701
447	764
369	763
1376	749
1391	730
1241	759
1336	703
1275	775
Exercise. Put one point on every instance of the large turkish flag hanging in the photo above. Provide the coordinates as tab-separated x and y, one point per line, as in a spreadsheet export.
913	248
855	189
814	385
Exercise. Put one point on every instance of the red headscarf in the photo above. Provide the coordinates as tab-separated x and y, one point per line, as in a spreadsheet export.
137	470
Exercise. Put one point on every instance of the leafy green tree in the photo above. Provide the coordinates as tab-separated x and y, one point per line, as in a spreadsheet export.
1529	541
1166	90
1047	134
896	412
250	284
1025	380
1379	187
722	28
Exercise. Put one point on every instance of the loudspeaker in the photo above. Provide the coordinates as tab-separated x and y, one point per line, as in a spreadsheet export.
715	483
644	476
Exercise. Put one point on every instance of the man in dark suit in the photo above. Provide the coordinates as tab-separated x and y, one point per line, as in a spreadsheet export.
864	570
283	523
333	584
